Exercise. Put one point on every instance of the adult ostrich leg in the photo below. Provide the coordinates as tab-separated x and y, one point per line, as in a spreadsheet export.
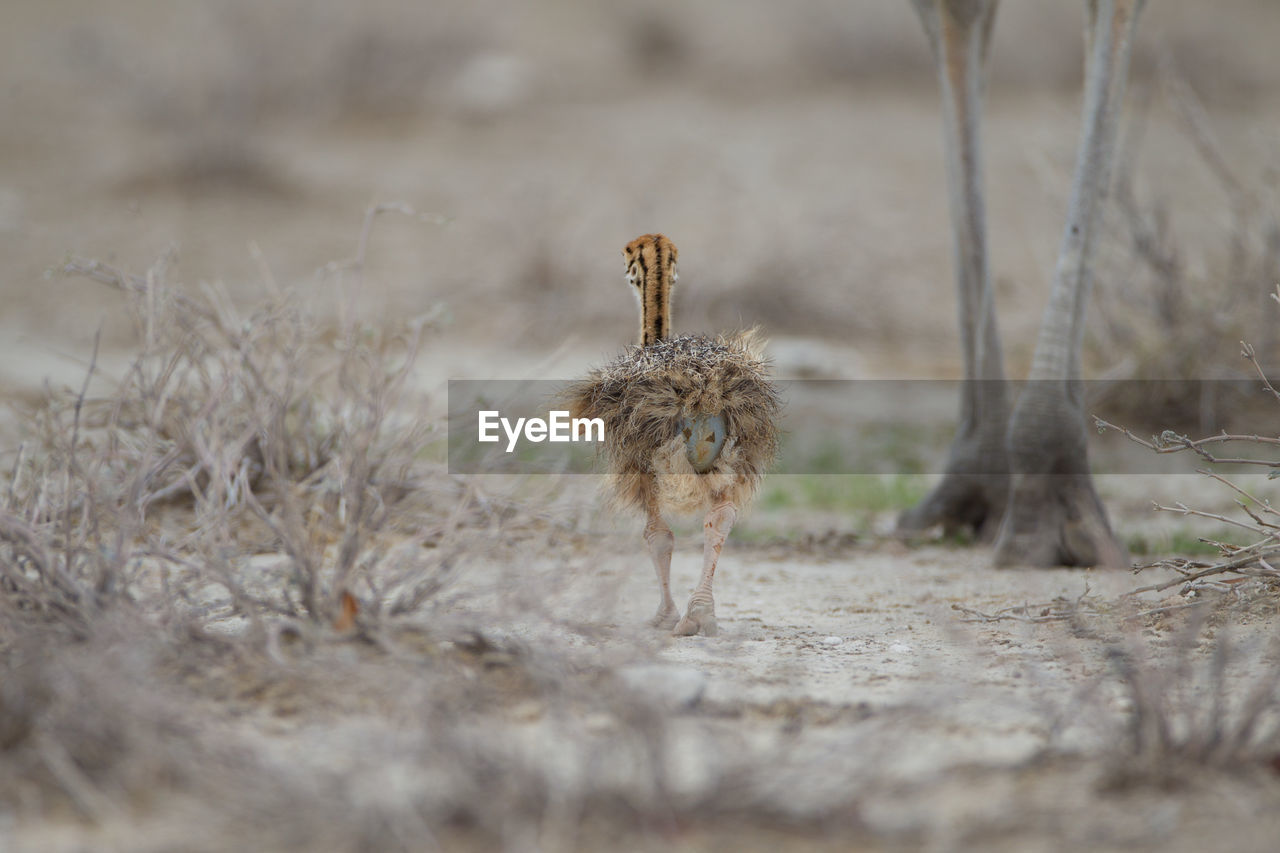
974	489
1054	515
1036	482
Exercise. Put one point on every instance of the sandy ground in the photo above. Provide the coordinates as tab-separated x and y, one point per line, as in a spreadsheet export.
874	669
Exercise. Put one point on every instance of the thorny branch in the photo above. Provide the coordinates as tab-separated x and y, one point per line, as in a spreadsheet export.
1256	561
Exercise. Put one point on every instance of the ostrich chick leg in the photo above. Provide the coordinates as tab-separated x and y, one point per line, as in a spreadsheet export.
700	616
661	541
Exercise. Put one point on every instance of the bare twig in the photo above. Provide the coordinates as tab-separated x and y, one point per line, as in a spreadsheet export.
71	469
1059	609
1182	509
1208	570
1247	351
1172	442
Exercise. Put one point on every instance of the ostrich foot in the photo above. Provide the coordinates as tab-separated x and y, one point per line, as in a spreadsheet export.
1057	520
974	491
700	615
666	617
961	502
700	618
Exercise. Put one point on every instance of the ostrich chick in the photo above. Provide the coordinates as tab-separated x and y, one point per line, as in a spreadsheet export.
689	426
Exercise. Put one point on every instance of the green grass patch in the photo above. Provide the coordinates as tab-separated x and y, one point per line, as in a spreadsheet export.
1181	541
874	448
842	492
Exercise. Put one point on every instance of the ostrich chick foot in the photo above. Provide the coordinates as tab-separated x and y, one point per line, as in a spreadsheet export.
666	617
700	618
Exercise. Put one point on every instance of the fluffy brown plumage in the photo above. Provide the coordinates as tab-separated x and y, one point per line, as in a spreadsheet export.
646	393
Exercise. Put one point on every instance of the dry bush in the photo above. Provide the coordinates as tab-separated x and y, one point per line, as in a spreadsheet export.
1185	717
1223	714
231	435
1237	568
89	726
1173	299
1211	705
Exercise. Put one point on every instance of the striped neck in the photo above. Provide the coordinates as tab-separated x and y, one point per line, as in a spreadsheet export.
655	308
651	267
